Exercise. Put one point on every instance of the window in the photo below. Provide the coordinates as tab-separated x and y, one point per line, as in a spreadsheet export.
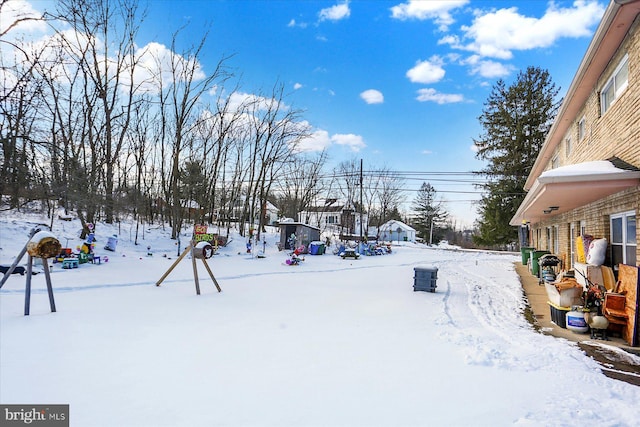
615	85
568	147
555	162
582	129
623	239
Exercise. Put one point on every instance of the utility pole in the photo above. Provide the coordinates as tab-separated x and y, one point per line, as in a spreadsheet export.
431	232
361	205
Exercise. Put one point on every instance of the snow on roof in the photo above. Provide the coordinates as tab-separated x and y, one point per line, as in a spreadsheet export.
587	171
394	224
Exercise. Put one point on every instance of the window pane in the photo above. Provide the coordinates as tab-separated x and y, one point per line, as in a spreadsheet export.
622	77
607	97
631	229
581	129
616	255
631	255
616	230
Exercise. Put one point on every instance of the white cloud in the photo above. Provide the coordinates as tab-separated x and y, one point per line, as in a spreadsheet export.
372	96
496	34
431	95
427	72
293	23
487	68
155	61
354	142
335	13
21	25
19	16
437	10
240	99
297	86
318	141
214	90
426	152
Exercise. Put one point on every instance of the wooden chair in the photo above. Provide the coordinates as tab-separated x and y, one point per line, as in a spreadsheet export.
614	308
620	307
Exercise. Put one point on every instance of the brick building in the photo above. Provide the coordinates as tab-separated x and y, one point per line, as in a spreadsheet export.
586	179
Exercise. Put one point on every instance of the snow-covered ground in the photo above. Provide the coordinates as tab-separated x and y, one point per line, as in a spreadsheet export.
330	342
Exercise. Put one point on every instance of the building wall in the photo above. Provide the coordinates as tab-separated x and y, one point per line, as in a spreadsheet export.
614	133
596	218
617	131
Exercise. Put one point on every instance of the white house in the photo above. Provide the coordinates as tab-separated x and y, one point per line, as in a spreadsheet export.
335	218
394	230
270	212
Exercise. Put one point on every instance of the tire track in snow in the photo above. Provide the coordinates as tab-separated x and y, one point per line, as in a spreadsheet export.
491	302
446	307
476	318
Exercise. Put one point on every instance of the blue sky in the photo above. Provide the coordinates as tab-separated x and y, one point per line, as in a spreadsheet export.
399	84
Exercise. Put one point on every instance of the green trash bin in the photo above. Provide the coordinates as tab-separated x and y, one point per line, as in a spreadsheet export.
526	253
535	266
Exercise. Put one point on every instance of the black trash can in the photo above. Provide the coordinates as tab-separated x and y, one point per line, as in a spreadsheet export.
425	278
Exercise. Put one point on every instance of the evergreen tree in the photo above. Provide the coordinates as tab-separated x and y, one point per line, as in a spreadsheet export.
429	213
516	120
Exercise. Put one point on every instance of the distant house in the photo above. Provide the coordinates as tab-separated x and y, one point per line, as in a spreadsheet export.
397	231
586	178
269	213
334	218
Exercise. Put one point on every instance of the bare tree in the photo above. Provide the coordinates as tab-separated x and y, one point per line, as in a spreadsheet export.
179	102
388	191
218	133
20	102
102	45
275	132
139	148
300	183
18	118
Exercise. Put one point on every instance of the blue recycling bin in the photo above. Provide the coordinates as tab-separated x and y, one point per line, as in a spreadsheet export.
316	248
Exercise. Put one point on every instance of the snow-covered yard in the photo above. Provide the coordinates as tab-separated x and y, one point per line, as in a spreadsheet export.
330	342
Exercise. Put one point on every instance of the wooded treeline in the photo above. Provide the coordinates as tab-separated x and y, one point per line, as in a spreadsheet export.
94	123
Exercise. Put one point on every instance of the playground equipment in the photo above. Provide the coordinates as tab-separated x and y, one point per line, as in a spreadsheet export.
41	244
201	251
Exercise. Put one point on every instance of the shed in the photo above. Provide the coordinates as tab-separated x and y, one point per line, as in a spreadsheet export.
397	231
305	234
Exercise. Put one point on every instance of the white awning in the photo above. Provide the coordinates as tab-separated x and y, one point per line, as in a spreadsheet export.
565	188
